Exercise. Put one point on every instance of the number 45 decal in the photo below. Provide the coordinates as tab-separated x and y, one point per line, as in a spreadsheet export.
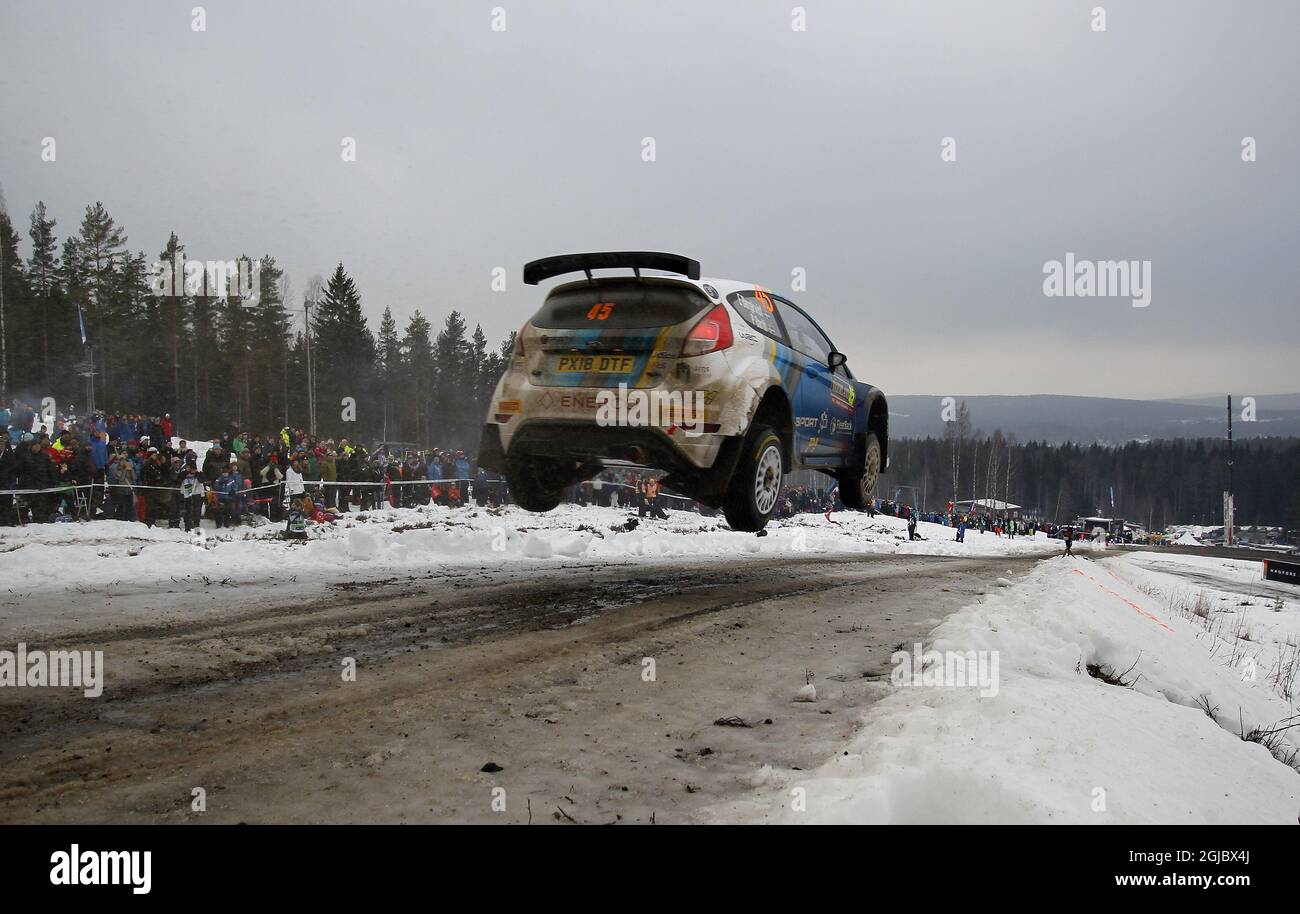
600	311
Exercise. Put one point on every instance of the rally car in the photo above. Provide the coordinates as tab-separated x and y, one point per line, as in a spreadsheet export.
724	385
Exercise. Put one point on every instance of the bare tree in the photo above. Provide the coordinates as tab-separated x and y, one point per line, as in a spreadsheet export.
1006	491
956	433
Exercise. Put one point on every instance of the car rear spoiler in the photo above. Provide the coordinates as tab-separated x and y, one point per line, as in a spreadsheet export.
537	270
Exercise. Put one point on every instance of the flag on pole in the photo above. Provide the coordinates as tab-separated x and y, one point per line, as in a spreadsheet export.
81	319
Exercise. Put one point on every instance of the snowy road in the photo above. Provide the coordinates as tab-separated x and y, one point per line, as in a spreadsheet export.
595	688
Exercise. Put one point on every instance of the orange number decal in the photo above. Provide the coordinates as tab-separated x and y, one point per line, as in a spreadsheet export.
600	311
766	299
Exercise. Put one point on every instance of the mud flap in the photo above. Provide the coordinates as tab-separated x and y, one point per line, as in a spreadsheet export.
490	454
709	487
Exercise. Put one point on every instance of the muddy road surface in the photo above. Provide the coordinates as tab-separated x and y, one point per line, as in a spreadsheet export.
627	693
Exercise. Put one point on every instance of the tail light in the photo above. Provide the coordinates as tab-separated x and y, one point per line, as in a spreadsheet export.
711	334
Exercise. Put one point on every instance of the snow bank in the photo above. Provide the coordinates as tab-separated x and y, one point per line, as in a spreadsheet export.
1055	744
90	556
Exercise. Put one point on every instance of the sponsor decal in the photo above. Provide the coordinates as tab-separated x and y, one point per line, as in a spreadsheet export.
579	401
758	312
841	393
583	401
509	406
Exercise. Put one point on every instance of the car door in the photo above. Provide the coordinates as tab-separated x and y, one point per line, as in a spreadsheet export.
821	400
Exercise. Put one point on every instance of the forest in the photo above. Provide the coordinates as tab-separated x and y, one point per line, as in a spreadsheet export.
227	361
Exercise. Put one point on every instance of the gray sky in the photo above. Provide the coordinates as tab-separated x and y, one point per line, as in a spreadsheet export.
776	149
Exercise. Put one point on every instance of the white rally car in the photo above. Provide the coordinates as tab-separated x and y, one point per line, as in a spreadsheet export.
724	385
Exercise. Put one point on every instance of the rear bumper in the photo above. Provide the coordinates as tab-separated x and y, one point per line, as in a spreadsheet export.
590	443
592	446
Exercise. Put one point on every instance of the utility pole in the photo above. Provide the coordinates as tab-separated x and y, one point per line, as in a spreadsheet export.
1228	532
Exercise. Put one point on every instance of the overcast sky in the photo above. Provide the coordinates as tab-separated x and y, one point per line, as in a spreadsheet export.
775	150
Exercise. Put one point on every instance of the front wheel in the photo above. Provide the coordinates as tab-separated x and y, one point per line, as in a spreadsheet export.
755	485
859	487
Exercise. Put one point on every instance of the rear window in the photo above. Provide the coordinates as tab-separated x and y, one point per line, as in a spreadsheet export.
619	305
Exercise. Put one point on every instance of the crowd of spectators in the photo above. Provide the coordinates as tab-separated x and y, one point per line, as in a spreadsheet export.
132	467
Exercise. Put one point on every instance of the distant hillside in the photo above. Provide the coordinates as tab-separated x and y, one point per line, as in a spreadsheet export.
1054	418
1262	401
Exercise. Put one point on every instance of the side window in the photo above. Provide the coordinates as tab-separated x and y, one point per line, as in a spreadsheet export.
759	311
804	335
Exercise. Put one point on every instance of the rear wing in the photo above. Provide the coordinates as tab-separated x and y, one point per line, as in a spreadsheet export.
537	270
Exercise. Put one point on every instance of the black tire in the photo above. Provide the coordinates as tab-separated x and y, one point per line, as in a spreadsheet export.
755	487
858	488
524	479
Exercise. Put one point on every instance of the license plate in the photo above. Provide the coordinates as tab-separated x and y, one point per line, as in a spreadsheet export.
598	364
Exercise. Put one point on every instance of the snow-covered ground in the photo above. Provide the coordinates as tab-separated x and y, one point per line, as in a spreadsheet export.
104	558
1053	743
1247	622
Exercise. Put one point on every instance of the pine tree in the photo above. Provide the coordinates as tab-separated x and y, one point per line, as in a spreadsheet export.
43	274
344	344
236	330
450	388
16	298
204	354
271	322
99	252
136	324
477	372
418	380
389	369
174	307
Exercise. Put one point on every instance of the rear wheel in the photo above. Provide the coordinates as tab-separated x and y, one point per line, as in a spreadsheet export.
755	486
859	487
532	485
